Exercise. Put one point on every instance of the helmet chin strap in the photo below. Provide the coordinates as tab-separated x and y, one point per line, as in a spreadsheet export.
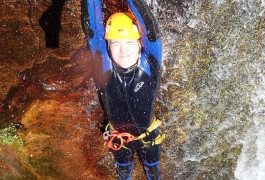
140	49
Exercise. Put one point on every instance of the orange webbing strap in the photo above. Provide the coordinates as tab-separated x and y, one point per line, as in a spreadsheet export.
115	134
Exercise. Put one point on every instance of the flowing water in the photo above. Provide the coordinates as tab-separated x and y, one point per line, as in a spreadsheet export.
213	90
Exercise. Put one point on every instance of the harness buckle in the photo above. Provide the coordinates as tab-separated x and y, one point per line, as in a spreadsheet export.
106	135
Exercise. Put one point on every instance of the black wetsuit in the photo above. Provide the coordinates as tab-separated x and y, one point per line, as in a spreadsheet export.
129	97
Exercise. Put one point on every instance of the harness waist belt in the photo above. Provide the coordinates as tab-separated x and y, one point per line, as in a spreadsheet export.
130	138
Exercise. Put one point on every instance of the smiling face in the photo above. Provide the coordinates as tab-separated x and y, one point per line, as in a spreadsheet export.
125	52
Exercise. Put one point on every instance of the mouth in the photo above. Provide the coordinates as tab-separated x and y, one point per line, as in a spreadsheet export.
125	56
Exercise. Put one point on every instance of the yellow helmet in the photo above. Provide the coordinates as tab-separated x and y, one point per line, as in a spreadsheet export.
120	26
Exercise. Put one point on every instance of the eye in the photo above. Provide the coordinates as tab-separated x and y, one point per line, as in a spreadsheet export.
115	44
130	43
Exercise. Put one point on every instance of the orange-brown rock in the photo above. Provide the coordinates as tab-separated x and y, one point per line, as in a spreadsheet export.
47	92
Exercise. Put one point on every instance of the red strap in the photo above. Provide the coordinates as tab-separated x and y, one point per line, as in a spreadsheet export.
120	136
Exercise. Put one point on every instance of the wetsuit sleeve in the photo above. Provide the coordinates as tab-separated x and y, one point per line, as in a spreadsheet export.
148	28
93	27
92	24
139	7
85	19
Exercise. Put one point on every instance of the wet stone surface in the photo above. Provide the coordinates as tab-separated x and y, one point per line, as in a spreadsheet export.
48	94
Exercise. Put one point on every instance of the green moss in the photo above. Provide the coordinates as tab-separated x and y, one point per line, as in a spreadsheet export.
9	136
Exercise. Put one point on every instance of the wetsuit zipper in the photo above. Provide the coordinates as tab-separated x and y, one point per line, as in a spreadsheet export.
127	102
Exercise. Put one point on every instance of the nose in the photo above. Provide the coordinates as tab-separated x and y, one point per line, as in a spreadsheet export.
123	48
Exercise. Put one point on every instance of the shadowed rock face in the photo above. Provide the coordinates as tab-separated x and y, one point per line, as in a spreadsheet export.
60	80
49	96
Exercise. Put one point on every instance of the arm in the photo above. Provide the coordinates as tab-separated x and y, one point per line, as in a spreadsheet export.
85	19
92	24
93	27
148	28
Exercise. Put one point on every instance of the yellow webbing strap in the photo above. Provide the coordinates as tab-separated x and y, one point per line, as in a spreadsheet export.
155	124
